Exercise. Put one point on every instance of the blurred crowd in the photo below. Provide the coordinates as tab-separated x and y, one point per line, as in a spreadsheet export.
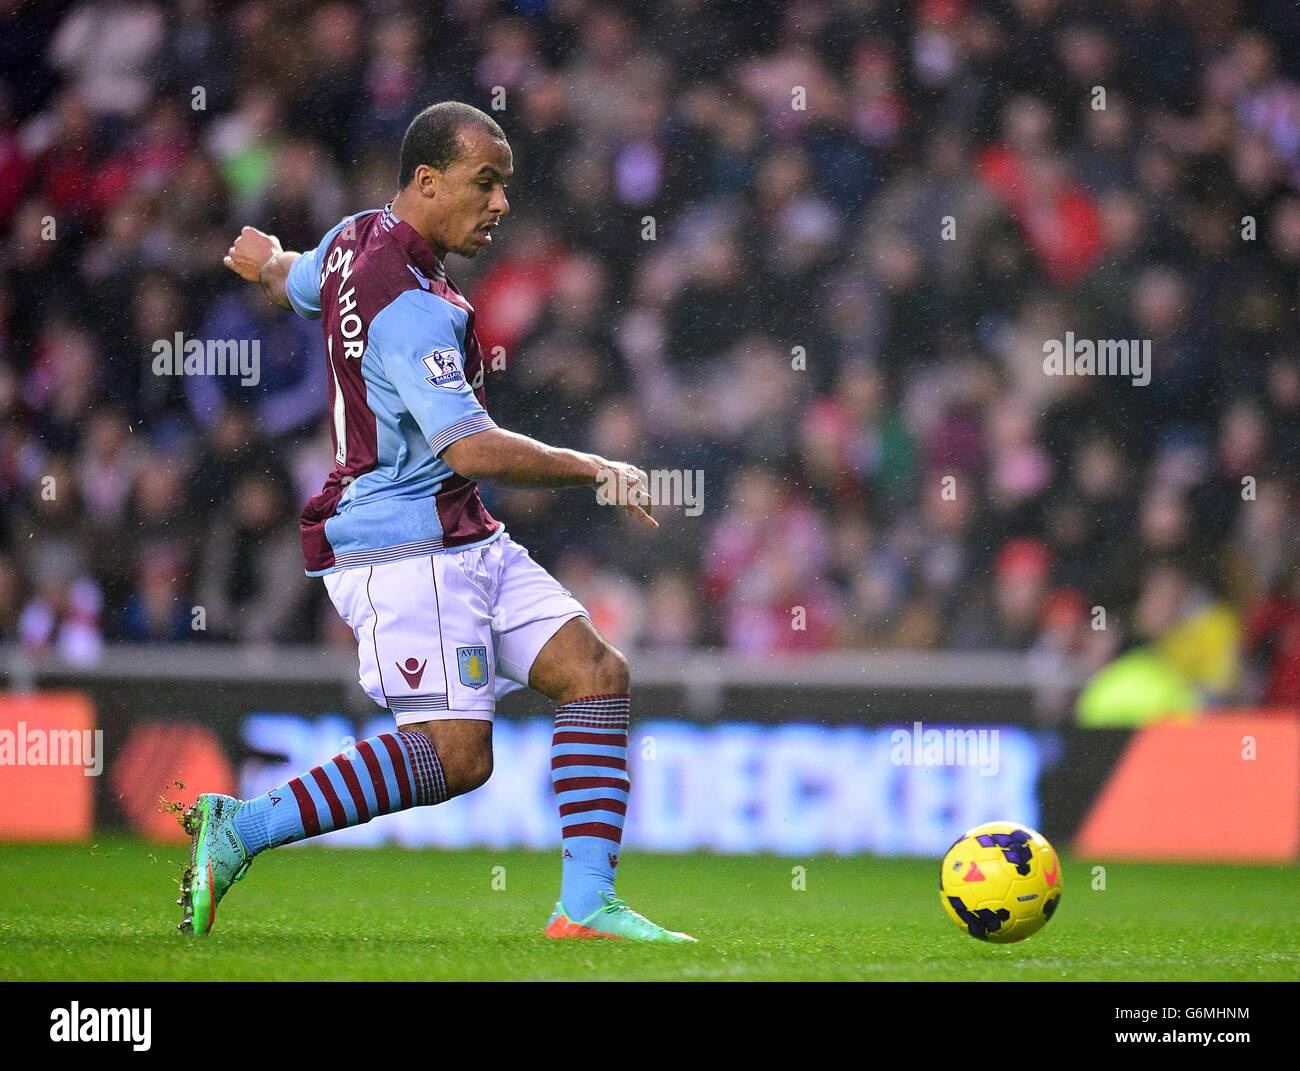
810	249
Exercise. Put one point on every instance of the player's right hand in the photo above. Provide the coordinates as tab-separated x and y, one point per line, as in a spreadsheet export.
252	249
627	486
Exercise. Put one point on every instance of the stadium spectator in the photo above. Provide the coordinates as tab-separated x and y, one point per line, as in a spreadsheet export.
834	308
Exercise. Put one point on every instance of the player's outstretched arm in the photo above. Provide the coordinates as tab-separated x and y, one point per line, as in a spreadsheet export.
509	458
257	257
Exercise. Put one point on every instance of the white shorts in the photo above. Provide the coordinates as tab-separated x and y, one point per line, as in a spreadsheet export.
445	636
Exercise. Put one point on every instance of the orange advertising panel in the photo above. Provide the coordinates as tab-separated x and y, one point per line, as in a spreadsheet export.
1226	789
49	757
159	772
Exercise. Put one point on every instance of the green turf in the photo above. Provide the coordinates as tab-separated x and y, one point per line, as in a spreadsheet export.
106	912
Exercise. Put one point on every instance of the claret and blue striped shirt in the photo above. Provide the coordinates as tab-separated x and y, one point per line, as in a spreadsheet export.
406	381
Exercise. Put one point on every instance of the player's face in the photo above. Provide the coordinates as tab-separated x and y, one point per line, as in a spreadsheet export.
475	188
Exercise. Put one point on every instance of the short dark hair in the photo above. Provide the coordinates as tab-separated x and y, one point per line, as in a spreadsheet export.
433	137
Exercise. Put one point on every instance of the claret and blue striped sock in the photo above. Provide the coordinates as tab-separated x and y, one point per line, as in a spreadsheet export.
589	773
382	774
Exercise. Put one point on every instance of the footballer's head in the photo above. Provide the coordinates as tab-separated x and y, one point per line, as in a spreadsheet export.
454	166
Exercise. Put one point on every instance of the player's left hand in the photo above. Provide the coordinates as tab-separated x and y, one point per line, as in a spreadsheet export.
252	249
626	486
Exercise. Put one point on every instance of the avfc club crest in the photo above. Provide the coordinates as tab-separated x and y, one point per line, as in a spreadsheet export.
446	371
473	665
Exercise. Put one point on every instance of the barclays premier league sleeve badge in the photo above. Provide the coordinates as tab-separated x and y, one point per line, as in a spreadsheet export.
445	368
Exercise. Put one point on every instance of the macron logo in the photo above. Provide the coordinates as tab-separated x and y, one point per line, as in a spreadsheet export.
102	1024
413	671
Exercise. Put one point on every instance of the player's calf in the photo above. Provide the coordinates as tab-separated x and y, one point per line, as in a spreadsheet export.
415	766
589	773
589	680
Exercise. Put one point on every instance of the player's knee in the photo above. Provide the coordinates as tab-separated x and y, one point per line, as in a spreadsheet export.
466	769
464	752
476	771
611	674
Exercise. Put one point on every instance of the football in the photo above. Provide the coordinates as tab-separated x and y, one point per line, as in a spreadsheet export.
1000	882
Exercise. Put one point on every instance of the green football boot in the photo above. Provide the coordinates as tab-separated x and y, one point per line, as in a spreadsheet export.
615	920
218	859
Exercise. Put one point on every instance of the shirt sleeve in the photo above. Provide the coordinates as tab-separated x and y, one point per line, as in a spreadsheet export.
303	283
419	340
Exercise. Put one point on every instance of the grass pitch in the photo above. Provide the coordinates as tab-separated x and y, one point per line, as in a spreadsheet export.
105	913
